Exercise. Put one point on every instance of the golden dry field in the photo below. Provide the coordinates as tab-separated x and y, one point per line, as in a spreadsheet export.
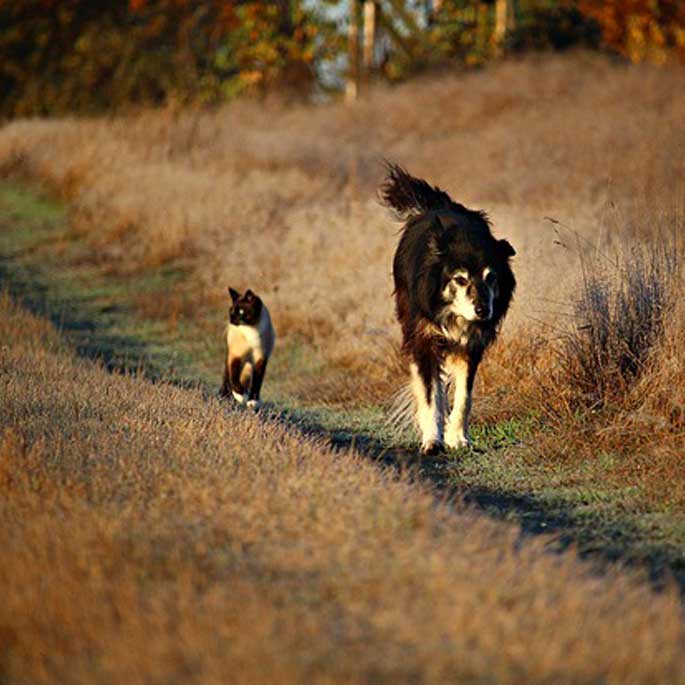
282	199
152	534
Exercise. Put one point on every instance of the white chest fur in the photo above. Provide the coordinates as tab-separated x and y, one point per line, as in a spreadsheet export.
256	341
457	330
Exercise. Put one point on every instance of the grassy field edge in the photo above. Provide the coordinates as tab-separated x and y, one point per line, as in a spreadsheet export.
97	316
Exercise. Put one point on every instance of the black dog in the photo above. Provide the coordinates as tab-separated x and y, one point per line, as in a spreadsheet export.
453	286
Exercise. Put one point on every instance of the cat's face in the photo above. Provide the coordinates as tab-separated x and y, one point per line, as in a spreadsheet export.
245	309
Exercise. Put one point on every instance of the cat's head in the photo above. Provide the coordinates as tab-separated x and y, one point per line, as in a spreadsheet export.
245	309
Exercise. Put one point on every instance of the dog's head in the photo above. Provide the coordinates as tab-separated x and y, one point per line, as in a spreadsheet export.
245	309
471	293
475	277
471	278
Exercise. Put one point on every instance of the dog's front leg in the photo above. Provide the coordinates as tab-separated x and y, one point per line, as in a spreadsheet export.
430	412
457	433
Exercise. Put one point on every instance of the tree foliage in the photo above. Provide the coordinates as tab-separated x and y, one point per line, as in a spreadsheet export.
60	56
91	55
642	30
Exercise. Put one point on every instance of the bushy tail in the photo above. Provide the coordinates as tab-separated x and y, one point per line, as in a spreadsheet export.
400	421
407	196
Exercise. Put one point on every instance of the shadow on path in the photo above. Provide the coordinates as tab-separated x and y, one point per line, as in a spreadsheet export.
93	330
603	545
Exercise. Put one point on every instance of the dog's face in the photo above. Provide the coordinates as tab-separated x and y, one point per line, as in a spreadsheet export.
470	293
245	309
476	280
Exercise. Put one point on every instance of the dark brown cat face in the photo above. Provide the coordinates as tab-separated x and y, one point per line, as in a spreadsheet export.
245	309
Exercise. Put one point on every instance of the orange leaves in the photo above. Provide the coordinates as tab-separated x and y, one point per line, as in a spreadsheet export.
74	55
641	30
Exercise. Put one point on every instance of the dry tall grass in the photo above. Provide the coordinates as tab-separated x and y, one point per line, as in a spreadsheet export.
150	536
621	319
612	383
282	200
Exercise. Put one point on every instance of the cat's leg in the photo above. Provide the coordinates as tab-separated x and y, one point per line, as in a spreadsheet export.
237	389
225	391
257	379
246	379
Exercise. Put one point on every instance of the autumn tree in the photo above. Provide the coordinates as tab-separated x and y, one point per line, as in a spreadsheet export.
92	55
642	30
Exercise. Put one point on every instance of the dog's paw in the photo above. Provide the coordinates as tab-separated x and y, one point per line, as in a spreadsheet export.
431	448
240	399
254	404
456	441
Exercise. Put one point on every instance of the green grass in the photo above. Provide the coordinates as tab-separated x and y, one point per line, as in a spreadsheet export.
96	311
92	308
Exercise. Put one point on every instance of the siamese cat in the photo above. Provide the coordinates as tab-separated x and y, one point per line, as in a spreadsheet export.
250	339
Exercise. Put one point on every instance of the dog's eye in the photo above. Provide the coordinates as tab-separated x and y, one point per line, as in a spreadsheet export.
460	280
491	278
241	312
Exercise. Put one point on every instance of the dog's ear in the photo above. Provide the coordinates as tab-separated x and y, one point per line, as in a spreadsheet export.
233	293
505	248
249	295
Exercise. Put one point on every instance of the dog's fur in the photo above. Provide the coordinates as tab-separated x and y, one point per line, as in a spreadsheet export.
453	286
250	340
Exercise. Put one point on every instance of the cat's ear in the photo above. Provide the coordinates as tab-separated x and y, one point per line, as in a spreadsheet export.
233	293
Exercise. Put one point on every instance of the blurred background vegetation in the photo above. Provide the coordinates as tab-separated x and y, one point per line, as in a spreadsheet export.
88	56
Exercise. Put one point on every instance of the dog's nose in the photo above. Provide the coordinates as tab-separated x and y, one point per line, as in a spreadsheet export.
482	310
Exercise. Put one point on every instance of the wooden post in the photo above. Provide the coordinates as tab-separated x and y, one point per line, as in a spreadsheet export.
370	10
352	84
482	28
505	20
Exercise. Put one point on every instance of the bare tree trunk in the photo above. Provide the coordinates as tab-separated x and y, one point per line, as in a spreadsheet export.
505	20
370	11
352	84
